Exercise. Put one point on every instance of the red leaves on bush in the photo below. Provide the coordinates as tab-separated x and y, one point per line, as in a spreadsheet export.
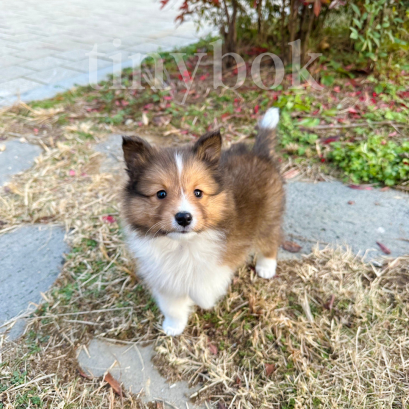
256	50
163	3
317	5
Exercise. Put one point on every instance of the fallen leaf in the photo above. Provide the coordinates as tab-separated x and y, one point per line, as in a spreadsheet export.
108	219
383	248
2	148
84	375
351	202
328	305
213	349
115	385
161	120
291	246
256	109
326	141
292	173
270	368
360	187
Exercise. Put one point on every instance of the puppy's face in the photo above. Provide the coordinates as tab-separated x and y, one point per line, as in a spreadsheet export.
174	192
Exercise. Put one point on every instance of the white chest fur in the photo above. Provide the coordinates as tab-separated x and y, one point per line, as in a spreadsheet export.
188	266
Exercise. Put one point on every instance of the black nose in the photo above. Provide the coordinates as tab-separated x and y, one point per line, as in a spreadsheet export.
183	218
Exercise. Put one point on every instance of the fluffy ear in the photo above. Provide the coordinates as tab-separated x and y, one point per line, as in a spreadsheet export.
209	147
136	151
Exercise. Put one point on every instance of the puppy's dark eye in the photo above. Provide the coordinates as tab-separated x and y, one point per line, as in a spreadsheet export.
161	194
198	193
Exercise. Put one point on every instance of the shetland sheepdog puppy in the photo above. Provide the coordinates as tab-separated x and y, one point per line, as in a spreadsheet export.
194	213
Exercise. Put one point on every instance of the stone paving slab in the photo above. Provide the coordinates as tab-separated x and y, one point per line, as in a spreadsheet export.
83	65
132	366
38	35
20	86
52	75
12	72
15	158
30	261
43	63
7	60
321	212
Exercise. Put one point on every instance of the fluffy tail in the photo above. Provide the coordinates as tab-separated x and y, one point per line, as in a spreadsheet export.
266	138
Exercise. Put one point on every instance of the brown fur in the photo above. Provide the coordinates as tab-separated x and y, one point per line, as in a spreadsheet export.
243	193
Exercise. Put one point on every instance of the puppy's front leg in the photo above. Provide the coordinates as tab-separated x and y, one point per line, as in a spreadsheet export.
176	311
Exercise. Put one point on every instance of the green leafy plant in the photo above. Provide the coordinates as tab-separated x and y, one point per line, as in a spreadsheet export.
373	160
375	24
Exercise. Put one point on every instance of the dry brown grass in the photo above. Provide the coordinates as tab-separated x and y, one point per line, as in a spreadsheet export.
332	331
329	332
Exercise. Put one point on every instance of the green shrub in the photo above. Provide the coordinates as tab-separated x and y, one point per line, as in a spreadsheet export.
377	24
373	160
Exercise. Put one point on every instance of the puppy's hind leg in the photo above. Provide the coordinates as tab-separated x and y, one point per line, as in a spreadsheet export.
267	258
176	311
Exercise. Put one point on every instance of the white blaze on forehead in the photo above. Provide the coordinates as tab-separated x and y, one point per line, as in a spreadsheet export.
179	163
185	205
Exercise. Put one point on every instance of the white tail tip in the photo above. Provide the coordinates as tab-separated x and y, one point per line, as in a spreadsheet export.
270	119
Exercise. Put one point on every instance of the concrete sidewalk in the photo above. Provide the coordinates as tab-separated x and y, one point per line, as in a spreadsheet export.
44	43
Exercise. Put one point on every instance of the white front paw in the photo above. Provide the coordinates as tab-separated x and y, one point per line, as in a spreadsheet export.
173	326
266	267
